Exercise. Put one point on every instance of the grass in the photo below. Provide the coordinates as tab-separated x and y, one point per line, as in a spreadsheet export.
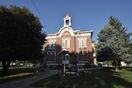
13	71
90	79
15	77
17	73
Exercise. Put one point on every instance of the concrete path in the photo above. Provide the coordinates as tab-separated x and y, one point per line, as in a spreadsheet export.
25	83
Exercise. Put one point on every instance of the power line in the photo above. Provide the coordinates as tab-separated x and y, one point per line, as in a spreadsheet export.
37	11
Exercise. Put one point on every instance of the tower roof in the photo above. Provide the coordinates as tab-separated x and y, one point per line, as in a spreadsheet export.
67	14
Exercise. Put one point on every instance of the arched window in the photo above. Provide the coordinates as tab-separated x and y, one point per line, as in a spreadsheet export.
67	22
66	43
52	44
82	43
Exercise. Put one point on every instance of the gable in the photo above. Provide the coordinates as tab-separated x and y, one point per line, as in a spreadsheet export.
66	31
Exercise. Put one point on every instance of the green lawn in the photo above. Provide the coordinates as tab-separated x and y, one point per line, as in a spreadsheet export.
91	79
13	71
17	73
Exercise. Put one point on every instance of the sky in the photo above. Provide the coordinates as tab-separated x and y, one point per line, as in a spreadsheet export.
86	14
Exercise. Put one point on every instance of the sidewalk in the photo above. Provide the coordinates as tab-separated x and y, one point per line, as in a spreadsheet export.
25	83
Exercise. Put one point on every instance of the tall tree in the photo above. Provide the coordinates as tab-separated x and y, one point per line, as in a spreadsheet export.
130	49
21	36
113	42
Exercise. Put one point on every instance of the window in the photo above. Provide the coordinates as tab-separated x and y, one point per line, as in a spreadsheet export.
63	44
66	43
82	43
67	22
52	44
85	43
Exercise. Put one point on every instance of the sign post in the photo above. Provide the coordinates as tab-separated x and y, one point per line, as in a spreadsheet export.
65	62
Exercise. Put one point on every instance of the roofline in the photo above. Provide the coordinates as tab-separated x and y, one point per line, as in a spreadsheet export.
83	31
75	31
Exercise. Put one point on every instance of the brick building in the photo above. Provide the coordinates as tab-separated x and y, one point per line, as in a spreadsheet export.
71	46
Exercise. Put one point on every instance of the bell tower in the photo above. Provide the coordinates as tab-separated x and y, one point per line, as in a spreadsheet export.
67	21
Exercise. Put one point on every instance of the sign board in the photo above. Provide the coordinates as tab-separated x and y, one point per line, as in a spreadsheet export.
65	61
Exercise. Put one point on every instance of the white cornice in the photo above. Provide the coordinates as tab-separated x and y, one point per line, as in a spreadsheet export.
75	33
49	37
63	29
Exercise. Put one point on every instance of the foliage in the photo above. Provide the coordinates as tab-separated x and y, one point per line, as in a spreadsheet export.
21	36
113	42
130	49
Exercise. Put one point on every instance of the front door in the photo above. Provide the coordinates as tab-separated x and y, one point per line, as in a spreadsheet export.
65	59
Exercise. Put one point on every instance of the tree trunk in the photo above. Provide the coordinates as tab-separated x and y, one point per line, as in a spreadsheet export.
5	65
116	68
116	65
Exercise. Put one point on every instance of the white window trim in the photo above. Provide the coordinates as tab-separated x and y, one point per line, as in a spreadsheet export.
66	42
82	42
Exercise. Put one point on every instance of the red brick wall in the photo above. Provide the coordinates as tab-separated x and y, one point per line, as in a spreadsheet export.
84	54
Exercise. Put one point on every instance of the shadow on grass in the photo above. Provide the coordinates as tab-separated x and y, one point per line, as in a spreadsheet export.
90	79
5	80
13	71
129	69
17	74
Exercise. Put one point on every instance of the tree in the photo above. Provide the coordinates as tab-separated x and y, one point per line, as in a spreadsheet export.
21	36
113	42
130	49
